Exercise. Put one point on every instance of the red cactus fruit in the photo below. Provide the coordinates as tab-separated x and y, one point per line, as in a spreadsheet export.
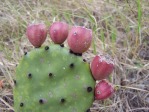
36	33
101	67
79	39
103	90
58	32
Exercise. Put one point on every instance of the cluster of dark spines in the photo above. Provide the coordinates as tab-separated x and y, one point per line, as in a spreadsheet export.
25	53
47	48
21	104
89	89
77	54
62	45
15	82
29	76
88	110
50	75
63	100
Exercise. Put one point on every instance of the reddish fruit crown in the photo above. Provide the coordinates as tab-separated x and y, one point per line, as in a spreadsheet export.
58	32
79	39
101	67
103	90
36	34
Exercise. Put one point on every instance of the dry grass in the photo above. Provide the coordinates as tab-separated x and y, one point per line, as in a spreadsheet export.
120	27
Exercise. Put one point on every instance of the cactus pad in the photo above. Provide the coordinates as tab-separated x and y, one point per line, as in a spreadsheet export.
52	79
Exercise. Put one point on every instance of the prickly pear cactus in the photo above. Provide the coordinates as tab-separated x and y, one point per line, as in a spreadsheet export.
53	79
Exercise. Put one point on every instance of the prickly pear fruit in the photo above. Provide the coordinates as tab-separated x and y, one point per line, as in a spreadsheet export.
79	39
58	32
36	33
51	79
103	90
101	67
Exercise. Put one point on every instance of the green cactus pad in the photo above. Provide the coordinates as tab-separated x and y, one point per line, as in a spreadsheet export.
51	79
